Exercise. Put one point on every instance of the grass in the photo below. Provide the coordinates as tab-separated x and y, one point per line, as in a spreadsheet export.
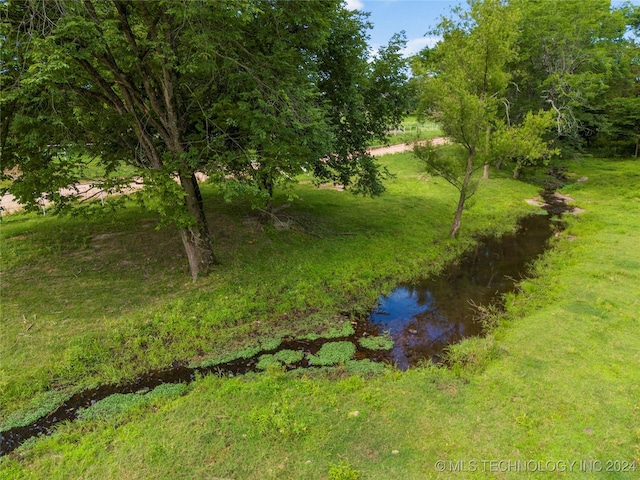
556	380
382	342
94	300
412	130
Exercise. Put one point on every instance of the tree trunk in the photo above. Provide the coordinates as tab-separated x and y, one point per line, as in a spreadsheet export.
196	238
637	145
267	184
485	173
453	233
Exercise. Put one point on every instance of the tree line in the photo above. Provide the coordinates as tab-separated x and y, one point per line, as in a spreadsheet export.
518	82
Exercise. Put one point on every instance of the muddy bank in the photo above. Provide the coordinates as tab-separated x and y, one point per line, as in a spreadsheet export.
310	351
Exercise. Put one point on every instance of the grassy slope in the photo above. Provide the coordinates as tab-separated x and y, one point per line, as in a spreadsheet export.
556	381
94	301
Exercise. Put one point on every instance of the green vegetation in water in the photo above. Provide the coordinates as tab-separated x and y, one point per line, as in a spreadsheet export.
114	407
343	330
380	342
332	353
558	374
283	357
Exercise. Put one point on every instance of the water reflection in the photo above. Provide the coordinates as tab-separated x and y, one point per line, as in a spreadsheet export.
423	318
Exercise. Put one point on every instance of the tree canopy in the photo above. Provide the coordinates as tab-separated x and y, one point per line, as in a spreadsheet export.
248	91
463	81
519	81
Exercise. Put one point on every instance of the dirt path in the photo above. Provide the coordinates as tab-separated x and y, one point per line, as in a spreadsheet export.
9	204
403	147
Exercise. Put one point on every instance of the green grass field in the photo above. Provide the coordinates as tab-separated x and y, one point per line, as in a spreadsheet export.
413	130
554	388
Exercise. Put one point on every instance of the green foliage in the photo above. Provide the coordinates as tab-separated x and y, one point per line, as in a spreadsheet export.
525	144
251	92
167	390
569	54
462	82
248	88
345	329
382	342
365	100
40	405
344	471
288	357
283	357
114	407
447	162
364	367
463	78
332	353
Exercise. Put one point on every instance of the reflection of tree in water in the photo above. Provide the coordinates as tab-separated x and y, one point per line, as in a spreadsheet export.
425	336
425	317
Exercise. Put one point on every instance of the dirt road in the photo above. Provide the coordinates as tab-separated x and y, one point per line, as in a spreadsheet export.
403	147
8	203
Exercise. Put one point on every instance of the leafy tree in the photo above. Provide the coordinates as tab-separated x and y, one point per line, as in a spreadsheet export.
253	88
351	102
568	51
363	99
622	102
525	144
463	81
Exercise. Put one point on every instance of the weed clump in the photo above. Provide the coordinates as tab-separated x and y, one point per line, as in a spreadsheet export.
381	342
332	353
344	471
283	357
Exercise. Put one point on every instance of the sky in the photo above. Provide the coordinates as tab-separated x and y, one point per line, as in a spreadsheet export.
415	17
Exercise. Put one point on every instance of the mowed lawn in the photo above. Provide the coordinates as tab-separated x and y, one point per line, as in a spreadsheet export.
552	392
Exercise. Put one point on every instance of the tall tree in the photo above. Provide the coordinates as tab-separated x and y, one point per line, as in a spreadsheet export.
568	51
124	80
463	80
622	100
363	99
176	87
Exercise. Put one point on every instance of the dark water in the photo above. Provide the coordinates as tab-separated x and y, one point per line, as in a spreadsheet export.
423	318
178	373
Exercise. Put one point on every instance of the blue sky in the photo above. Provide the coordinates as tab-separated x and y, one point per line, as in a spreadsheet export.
415	17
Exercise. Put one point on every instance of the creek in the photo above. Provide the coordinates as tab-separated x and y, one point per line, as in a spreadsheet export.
422	318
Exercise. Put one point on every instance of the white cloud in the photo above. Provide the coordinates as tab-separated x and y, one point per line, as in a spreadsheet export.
354	4
416	44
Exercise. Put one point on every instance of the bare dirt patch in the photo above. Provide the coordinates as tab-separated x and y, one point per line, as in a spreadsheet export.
87	191
404	147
